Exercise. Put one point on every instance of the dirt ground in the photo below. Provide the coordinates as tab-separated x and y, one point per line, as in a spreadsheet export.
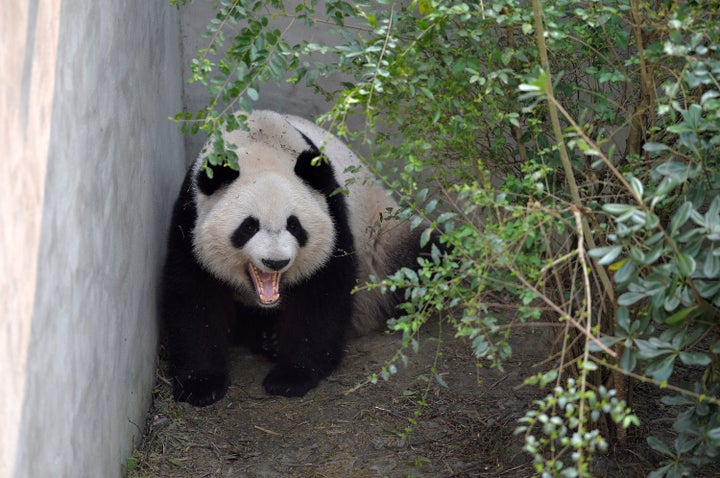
464	430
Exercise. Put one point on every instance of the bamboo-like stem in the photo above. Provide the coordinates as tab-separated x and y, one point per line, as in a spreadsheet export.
584	227
588	324
562	149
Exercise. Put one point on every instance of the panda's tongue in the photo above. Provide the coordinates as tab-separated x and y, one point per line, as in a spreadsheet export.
267	285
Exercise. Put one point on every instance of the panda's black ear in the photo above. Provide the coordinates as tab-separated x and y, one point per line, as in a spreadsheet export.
221	175
314	170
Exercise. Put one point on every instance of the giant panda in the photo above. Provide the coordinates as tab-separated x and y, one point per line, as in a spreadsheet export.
267	256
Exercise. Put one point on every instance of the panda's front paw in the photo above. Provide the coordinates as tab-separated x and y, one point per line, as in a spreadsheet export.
200	390
289	381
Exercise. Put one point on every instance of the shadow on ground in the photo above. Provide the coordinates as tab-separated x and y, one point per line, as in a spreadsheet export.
464	430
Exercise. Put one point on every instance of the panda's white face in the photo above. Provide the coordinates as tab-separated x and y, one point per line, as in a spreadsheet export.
263	231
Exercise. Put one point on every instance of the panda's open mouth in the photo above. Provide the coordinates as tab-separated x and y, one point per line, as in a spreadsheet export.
267	285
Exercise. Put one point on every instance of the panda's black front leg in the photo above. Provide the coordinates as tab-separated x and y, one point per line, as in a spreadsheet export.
198	342
196	311
311	341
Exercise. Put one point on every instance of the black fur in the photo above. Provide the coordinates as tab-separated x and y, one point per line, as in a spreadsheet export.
196	310
319	175
305	334
245	231
221	175
295	228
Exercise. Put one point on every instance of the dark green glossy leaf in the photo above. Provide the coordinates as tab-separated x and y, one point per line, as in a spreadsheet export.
695	358
659	446
628	359
625	272
606	254
680	315
661	369
618	209
655	147
686	264
629	298
680	217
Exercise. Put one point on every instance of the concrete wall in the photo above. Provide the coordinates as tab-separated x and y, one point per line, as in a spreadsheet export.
91	168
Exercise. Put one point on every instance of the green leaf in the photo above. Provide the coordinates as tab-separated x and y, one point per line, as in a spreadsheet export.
628	359
695	358
671	302
625	272
608	341
711	268
685	443
415	222
654	147
440	380
623	318
674	169
680	315
480	346
445	217
686	264
654	254
708	95
665	186
661	472
425	236
616	209
637	186
637	255
675	400
607	254
410	274
714	434
652	348
655	238
430	206
529	88
661	369
425	7
680	217
659	446
549	377
629	298
253	94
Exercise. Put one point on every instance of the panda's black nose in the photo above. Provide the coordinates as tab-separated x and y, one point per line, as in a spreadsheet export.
275	265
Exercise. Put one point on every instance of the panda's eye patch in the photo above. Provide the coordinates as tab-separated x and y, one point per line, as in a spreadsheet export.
245	231
295	228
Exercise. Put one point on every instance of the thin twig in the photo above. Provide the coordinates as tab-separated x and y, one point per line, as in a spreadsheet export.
269	432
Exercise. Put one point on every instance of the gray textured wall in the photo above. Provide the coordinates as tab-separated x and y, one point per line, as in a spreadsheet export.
113	166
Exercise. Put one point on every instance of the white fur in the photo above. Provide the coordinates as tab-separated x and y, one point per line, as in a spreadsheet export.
271	195
269	190
379	236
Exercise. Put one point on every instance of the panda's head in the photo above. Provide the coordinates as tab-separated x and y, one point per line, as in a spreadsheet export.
267	226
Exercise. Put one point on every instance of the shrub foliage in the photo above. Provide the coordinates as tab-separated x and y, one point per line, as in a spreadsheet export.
568	155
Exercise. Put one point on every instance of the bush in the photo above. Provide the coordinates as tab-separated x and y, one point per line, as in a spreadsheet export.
567	154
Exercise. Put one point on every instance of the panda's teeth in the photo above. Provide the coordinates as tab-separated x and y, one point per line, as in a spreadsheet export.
267	285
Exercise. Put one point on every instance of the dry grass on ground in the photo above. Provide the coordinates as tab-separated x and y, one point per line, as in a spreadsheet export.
465	430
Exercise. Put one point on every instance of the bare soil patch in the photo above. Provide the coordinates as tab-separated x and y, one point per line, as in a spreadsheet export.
464	430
